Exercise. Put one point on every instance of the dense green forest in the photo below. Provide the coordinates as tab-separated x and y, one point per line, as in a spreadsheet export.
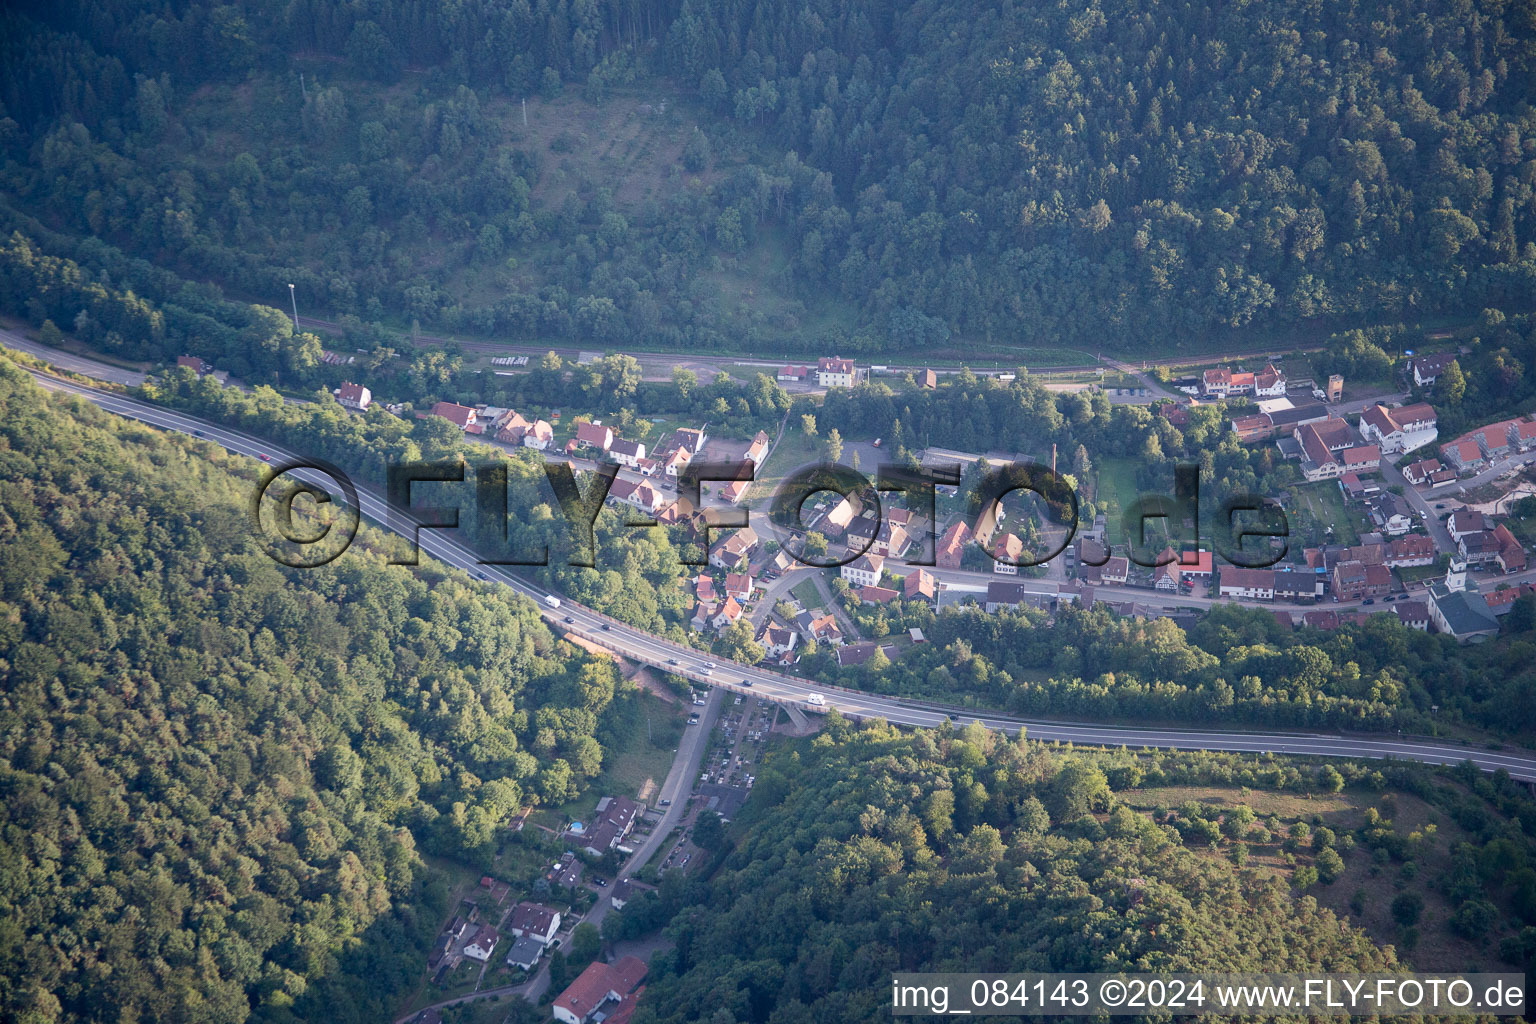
1236	665
869	850
219	775
893	176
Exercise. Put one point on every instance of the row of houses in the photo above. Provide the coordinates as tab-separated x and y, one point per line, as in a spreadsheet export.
1483	544
1473	451
1281	419
1331	448
1225	383
1096	566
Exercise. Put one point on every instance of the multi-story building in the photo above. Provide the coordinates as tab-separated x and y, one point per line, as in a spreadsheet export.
1399	430
1250	584
864	571
835	372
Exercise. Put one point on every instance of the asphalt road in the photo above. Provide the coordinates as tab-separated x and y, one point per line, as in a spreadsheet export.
643	647
67	361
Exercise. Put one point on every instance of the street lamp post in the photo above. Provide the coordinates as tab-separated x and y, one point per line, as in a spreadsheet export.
295	301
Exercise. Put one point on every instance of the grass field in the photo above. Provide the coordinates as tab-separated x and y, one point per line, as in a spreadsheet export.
1117	490
806	593
1321	505
794	450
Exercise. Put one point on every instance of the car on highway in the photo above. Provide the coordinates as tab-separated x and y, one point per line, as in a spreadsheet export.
197	433
607	628
815	700
746	682
481	576
265	457
710	664
569	620
666	803
706	671
671	661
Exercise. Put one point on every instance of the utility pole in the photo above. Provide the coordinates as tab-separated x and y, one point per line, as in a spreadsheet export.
525	111
293	299
303	91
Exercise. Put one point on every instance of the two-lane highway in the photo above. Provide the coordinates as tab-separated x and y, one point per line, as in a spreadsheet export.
641	646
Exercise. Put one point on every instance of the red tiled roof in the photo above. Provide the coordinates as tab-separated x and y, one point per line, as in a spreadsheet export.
461	416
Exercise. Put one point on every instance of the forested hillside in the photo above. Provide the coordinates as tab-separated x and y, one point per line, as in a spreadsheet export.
216	775
891	176
868	851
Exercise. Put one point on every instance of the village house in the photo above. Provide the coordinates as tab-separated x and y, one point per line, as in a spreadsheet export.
1399	430
354	397
1391	513
483	944
778	642
1414	549
539	435
793	374
1479	549
729	612
1511	557
1003	594
1250	584
1007	549
588	998
822	629
461	416
609	827
566	871
854	655
510	427
835	372
878	595
864	571
1465	455
1320	443
1425	370
734	549
594	437
1413	614
951	547
739	586
626	889
534	921
1115	571
757	451
674	463
1427	471
919	585
1493	440
524	953
1464	521
626	453
1355	580
837	519
1269	382
1296	585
